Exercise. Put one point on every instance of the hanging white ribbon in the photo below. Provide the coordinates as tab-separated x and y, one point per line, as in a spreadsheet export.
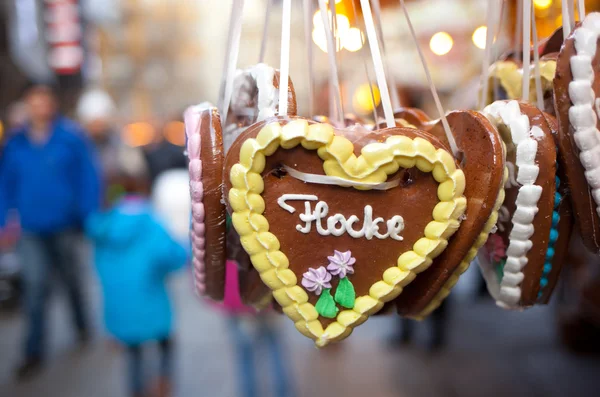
526	48
489	40
265	35
566	19
337	181
235	26
309	52
581	9
394	91
284	66
333	72
388	112
536	62
436	98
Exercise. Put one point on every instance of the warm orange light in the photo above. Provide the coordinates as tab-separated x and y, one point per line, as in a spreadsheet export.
542	4
138	134
174	132
441	43
362	101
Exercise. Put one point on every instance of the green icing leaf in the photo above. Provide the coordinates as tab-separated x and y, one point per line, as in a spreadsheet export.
345	294
500	269
325	305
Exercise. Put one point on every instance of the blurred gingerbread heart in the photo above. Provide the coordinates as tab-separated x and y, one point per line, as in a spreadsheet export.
338	226
522	259
576	91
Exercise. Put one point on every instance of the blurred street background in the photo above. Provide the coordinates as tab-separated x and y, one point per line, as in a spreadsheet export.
92	94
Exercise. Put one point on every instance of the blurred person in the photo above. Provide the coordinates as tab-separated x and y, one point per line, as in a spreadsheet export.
163	154
49	176
251	331
96	111
405	328
133	255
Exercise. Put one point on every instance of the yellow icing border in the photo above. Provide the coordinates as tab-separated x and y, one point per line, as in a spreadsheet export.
466	262
376	162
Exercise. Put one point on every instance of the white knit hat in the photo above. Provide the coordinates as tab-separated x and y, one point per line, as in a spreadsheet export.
95	104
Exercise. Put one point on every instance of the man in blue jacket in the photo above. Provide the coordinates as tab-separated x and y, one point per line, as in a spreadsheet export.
48	176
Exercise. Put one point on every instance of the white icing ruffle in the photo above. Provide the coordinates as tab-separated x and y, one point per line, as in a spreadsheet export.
582	114
507	292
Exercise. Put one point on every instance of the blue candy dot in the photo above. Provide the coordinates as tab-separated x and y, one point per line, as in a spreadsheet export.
557	182
543	282
553	236
557	198
549	253
555	218
547	267
540	294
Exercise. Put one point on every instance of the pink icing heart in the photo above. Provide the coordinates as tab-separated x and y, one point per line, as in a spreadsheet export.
197	191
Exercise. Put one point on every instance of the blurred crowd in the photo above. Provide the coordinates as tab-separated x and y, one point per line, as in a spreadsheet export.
70	187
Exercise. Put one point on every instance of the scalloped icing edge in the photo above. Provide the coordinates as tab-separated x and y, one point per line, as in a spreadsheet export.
471	254
582	115
376	162
507	292
193	124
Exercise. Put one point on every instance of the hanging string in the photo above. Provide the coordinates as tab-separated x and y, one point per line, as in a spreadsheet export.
394	91
526	48
332	64
572	13
284	65
436	98
366	67
232	57
309	52
581	9
336	41
498	30
221	96
263	42
566	19
489	40
539	94
388	112
518	26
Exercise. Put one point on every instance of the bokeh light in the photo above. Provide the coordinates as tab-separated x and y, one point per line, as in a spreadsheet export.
441	43
479	37
362	101
542	4
138	134
174	132
353	40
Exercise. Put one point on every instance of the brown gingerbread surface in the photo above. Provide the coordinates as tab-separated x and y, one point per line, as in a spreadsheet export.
212	157
414	199
584	206
483	166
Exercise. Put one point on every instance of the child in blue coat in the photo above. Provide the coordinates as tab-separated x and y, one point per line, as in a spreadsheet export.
133	254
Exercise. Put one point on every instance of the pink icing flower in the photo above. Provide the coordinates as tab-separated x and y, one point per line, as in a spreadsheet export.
341	263
316	280
496	248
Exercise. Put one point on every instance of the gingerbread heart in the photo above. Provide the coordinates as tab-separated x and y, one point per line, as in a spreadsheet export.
533	227
506	81
483	165
205	152
576	91
336	227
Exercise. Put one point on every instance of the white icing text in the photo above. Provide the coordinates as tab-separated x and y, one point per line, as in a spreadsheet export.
338	224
